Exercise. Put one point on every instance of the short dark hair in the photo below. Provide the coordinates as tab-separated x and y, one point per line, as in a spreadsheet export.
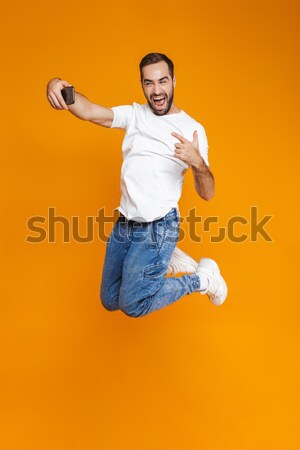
152	58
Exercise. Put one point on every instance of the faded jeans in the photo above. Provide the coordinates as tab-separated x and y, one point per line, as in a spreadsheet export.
135	267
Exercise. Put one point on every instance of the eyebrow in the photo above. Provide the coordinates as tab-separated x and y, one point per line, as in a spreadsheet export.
158	80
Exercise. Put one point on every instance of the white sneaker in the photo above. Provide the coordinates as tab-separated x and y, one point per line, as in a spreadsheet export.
217	288
181	262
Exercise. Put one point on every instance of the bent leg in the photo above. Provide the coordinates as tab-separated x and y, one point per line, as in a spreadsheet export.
144	287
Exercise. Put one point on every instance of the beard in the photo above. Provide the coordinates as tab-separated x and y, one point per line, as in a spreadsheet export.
162	112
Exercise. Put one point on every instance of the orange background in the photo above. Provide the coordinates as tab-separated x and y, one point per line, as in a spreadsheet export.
191	375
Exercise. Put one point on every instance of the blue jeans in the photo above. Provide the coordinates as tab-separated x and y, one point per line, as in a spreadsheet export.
136	262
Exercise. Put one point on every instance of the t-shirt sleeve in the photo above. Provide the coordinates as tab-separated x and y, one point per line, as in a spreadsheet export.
122	116
203	143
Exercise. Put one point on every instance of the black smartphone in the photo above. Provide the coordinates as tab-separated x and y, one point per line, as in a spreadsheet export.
68	94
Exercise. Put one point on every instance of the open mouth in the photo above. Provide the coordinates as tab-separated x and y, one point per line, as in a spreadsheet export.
159	100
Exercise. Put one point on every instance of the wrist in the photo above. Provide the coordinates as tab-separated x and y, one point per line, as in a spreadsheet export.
200	166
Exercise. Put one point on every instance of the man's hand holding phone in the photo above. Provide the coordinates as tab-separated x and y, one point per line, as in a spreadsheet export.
60	93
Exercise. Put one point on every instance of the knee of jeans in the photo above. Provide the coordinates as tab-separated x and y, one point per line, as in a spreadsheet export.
129	305
108	302
131	310
108	306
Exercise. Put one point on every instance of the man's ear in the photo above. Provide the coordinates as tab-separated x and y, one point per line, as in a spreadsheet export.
174	81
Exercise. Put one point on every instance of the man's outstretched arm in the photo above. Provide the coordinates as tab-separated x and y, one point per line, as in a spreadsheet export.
83	108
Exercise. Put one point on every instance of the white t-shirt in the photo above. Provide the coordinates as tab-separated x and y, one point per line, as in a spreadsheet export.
151	176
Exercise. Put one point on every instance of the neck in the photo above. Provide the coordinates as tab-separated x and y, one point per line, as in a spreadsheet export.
174	109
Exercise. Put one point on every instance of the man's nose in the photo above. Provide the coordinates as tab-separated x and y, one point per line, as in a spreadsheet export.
157	90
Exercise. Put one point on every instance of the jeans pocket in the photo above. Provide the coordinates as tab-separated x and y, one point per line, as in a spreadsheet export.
157	233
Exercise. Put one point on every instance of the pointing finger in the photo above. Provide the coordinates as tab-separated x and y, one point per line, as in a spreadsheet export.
179	137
